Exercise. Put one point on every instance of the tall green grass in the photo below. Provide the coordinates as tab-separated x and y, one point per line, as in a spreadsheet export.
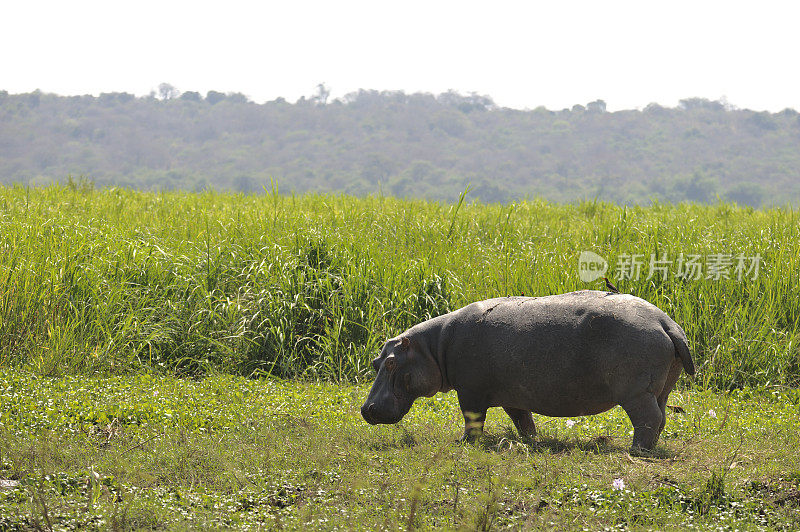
114	281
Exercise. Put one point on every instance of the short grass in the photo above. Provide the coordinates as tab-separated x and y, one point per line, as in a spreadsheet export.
224	452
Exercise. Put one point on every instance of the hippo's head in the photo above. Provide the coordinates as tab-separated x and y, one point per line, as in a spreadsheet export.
406	371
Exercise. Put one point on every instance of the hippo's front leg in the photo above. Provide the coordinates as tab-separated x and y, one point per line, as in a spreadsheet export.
474	411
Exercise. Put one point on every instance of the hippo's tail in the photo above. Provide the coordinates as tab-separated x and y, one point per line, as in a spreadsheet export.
678	338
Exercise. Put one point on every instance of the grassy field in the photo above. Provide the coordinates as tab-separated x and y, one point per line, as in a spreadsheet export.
114	281
148	452
195	361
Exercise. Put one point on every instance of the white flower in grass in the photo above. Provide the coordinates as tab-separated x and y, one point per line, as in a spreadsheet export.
618	484
712	414
571	423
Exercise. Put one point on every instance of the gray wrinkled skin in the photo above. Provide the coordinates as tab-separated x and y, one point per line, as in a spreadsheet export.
572	354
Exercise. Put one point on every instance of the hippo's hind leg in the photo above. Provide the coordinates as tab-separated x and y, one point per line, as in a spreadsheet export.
672	378
523	420
647	419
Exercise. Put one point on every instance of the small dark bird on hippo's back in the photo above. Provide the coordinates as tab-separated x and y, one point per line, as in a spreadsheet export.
611	286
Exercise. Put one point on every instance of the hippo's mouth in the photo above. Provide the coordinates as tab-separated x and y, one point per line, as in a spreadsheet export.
368	413
375	416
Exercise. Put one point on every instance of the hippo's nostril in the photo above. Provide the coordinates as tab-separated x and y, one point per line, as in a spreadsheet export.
366	413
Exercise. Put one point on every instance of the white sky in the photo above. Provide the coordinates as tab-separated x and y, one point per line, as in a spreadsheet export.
522	54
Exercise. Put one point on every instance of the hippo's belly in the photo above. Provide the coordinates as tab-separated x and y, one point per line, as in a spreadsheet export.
568	401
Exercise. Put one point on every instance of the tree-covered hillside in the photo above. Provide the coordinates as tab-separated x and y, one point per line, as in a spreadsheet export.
413	145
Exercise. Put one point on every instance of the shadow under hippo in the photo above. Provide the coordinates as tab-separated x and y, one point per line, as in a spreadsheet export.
564	355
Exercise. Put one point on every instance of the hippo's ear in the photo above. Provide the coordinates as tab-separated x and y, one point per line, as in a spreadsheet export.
405	343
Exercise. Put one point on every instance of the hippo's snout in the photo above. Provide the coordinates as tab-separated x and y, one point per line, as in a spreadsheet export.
367	413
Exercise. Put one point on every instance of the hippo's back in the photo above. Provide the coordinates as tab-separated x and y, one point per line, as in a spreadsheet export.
571	312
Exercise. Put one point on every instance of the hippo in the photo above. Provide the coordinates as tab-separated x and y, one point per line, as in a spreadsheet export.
563	355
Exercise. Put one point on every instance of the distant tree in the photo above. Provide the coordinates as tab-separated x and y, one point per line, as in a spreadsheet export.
475	102
246	183
236	97
750	194
214	97
699	188
167	92
377	168
762	121
597	106
451	122
693	104
321	96
578	108
362	98
656	109
489	192
191	96
726	104
34	98
471	102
